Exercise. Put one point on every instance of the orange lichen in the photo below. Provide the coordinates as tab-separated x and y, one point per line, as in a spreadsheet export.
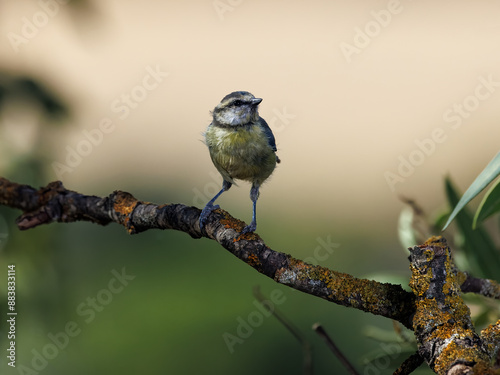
452	351
124	204
253	261
437	241
341	287
230	222
429	311
491	338
461	277
442	318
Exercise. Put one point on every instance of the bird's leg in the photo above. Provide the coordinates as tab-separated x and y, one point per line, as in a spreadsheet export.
210	205
254	195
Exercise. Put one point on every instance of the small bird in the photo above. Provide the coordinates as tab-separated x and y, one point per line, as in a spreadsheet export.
242	146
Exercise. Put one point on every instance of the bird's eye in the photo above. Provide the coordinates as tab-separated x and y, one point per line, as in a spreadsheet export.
237	103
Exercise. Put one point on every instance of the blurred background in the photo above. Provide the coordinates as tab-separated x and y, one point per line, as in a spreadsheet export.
369	102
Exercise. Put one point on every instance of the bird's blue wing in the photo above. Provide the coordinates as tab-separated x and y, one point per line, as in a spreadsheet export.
269	133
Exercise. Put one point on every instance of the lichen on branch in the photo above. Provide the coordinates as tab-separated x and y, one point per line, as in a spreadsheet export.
442	322
434	310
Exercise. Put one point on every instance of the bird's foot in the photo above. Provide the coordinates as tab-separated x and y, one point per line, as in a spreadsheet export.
205	212
250	228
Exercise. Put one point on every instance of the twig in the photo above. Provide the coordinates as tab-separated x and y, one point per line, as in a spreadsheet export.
410	364
306	346
486	287
335	349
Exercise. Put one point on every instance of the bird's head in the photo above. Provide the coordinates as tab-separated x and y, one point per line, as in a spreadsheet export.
236	109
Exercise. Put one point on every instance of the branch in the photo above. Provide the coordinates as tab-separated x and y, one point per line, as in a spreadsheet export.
486	287
435	310
307	362
335	349
55	203
442	323
410	364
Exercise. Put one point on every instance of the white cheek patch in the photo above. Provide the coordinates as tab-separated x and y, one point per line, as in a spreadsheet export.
235	116
231	118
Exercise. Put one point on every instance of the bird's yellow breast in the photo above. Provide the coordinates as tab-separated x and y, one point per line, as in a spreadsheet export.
241	152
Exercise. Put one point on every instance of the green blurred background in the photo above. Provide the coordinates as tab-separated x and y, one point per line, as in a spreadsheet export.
343	122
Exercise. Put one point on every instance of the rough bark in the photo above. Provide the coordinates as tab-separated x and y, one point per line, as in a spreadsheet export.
442	322
435	309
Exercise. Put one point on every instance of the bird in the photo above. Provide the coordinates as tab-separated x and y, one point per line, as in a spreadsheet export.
242	147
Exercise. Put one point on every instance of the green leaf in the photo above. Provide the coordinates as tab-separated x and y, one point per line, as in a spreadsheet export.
478	246
489	205
488	174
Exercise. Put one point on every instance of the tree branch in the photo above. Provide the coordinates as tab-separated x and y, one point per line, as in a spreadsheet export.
410	364
55	203
486	287
435	310
442	323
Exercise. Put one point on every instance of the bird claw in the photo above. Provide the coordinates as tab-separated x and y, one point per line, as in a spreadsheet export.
249	228
205	212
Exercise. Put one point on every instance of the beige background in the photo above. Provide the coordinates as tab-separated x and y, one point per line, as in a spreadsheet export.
352	120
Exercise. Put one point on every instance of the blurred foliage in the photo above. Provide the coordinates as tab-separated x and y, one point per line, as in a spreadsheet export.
29	90
27	102
172	316
474	249
481	252
490	204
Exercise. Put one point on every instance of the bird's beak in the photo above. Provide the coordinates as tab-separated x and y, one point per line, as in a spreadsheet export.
256	101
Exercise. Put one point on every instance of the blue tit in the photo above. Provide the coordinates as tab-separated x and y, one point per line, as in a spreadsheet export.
242	147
